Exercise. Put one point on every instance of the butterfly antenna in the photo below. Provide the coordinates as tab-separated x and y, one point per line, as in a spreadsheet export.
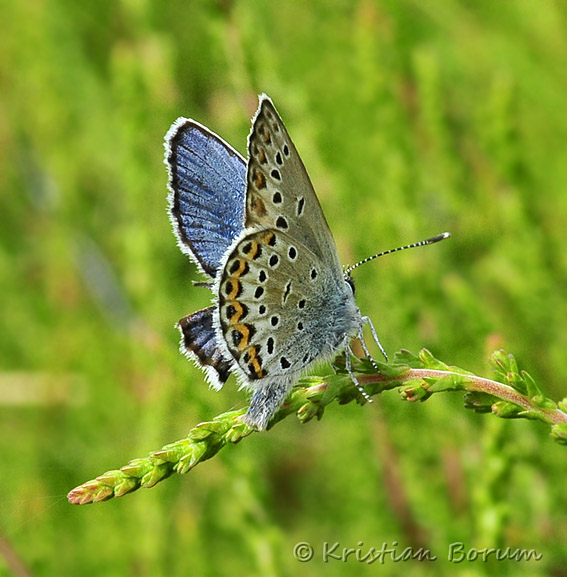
431	240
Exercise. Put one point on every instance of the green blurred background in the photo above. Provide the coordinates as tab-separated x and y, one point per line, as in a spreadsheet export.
412	118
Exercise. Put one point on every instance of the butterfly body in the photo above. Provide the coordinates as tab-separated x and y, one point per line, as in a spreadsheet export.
280	299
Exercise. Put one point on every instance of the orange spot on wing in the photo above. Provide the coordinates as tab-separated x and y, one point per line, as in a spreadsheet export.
259	179
257	206
257	368
242	268
254	362
234	290
268	238
245	333
239	311
265	134
253	250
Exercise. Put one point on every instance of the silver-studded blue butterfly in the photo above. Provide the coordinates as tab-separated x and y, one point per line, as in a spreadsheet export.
281	299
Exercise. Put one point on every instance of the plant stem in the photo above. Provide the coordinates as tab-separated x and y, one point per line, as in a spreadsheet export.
417	377
475	384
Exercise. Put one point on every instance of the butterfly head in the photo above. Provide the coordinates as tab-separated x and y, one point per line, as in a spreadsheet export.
350	282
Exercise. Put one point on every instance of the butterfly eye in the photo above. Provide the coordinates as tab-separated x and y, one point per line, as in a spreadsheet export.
350	282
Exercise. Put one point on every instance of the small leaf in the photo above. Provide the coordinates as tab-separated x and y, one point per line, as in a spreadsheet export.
204	430
417	392
326	395
544	403
174	451
559	433
407	358
532	390
238	432
506	410
308	411
85	493
449	382
194	456
506	369
103	493
128	484
137	467
479	402
157	474
430	362
110	478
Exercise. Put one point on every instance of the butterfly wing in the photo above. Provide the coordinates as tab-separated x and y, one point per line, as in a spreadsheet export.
199	343
279	193
283	272
207	184
280	308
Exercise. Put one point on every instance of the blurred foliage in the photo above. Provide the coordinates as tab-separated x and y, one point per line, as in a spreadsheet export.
412	118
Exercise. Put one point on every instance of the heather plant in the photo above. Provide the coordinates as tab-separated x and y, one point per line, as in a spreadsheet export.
411	118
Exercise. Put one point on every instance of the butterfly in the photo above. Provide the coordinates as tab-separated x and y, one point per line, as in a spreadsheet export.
256	230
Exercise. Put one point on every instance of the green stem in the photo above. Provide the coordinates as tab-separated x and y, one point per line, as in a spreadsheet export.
417	377
474	384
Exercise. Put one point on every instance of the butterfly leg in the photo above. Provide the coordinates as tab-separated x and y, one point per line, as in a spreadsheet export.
348	366
367	321
366	351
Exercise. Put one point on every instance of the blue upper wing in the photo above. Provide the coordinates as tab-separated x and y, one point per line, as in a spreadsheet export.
207	184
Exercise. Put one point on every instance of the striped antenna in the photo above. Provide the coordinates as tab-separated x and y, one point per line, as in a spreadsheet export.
431	240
